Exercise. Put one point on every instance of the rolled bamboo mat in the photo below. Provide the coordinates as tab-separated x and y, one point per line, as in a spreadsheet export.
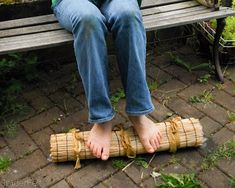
176	133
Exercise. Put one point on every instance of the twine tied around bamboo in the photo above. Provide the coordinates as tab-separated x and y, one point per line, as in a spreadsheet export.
174	139
77	146
126	144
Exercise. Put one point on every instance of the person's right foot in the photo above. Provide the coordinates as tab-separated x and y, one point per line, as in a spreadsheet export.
147	131
99	140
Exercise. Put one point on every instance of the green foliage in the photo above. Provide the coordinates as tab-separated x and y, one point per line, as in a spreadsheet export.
186	65
140	161
10	129
179	181
231	116
119	94
232	182
225	151
203	98
118	163
233	89
204	79
229	29
153	85
14	70
5	163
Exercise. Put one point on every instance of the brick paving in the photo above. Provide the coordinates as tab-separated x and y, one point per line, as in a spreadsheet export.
57	103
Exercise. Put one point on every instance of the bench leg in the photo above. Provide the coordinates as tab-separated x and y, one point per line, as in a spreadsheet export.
216	61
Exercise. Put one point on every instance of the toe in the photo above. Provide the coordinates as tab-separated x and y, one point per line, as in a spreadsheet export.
94	151
88	143
147	146
105	153
153	144
98	152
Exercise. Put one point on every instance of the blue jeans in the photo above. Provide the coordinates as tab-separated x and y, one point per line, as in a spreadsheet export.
89	25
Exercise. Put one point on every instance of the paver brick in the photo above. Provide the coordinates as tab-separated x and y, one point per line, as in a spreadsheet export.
209	126
2	142
24	166
160	112
168	90
161	61
225	100
223	136
214	111
158	75
82	99
117	180
228	166
52	173
231	126
175	168
26	182
194	90
77	120
6	152
65	101
181	74
190	158
183	109
21	143
138	173
114	85
214	178
61	184
42	120
148	183
91	174
37	100
42	138
160	160
228	86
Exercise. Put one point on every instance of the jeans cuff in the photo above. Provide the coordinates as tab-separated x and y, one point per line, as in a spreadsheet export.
102	120
139	113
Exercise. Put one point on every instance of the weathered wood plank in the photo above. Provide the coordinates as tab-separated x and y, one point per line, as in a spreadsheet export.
177	13
29	30
160	24
34	41
27	21
170	7
150	3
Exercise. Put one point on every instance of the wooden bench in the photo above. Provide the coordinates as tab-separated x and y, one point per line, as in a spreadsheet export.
44	31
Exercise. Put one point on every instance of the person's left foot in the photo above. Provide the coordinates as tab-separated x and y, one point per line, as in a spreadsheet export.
147	131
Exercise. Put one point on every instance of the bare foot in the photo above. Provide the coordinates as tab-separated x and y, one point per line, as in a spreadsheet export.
99	140
148	132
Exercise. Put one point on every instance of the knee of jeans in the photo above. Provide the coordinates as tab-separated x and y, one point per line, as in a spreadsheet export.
127	15
86	21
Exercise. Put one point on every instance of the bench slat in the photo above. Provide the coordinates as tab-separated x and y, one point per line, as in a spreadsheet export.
165	8
28	21
177	13
51	18
155	24
150	3
34	41
29	30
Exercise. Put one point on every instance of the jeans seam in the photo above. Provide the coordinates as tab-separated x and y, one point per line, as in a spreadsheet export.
144	112
102	120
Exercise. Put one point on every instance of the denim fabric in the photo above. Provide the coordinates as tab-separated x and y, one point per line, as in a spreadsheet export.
89	26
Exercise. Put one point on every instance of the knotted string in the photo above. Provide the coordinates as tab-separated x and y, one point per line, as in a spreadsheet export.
174	139
126	144
77	146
